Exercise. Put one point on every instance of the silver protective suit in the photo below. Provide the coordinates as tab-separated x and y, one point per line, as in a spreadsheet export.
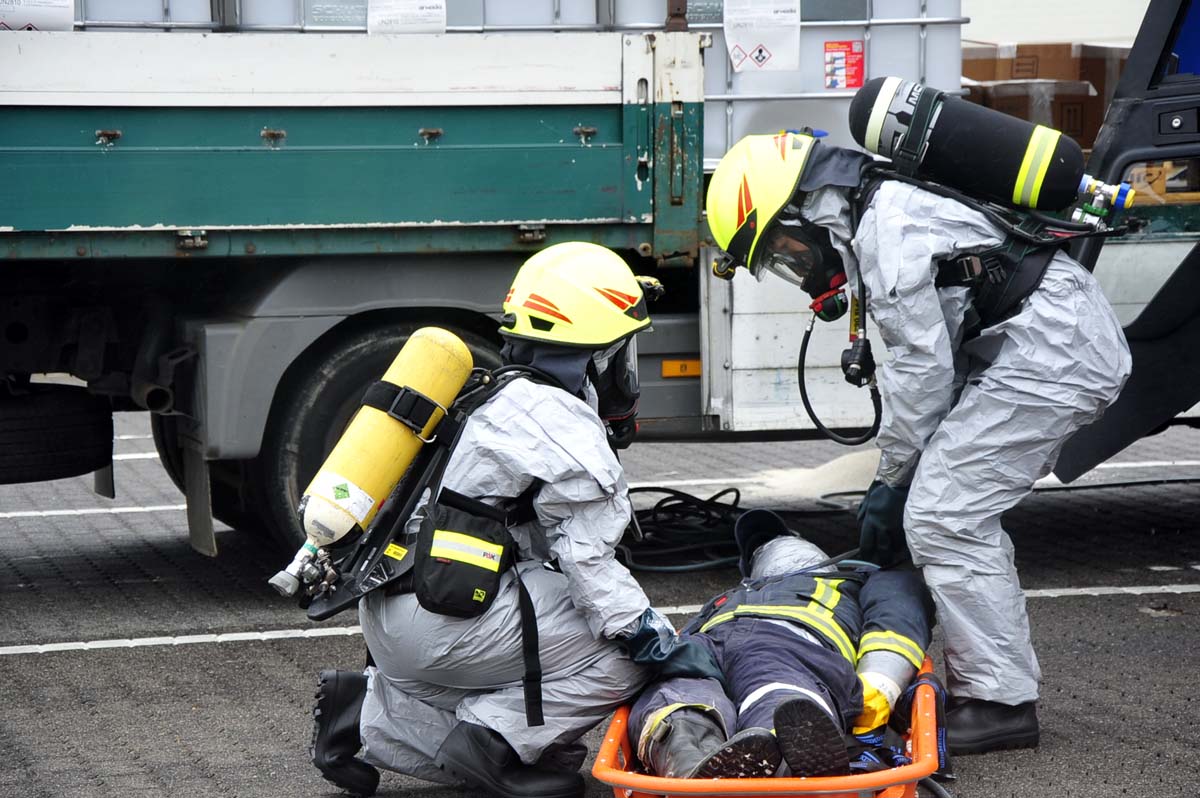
432	671
972	425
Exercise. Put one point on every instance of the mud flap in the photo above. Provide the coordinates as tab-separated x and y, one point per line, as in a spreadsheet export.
199	502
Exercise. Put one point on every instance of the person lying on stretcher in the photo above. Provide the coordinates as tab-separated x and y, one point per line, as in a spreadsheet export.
815	659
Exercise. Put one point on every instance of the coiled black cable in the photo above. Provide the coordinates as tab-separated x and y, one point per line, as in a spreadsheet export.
682	532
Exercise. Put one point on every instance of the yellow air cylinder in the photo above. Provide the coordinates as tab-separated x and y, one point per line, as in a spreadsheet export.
376	449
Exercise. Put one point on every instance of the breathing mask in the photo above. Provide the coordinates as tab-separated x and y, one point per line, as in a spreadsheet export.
614	375
802	253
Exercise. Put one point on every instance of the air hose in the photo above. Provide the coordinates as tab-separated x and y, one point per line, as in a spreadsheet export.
876	402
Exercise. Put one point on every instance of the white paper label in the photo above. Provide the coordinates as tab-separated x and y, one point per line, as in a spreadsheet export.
343	493
37	14
406	16
763	35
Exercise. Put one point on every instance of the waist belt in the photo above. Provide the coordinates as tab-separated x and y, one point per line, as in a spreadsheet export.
1000	279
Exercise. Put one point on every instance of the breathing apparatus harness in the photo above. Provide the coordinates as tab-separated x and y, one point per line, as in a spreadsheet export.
1000	278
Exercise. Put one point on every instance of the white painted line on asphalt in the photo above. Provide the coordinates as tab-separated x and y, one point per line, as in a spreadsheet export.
133	437
183	640
136	456
1149	464
345	631
1165	568
158	508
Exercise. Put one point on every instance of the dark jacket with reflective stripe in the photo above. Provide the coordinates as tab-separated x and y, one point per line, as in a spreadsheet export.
852	612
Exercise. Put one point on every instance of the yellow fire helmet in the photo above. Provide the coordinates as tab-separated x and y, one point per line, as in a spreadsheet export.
751	185
575	294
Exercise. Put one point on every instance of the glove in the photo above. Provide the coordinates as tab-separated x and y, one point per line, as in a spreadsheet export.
881	525
654	643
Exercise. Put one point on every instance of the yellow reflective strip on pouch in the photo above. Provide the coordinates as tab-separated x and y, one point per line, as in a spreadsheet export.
465	548
896	643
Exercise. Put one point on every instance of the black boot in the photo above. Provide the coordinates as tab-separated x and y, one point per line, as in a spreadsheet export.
811	742
681	742
483	758
976	726
749	754
335	738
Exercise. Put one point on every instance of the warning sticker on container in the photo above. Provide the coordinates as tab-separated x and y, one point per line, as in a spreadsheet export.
37	14
406	16
763	35
844	64
343	493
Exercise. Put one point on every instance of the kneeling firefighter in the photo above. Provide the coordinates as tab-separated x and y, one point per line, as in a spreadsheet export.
486	701
999	349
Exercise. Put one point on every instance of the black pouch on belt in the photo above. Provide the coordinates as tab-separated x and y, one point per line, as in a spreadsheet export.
463	547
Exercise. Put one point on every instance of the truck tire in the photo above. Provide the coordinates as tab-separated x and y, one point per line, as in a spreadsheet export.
312	410
53	432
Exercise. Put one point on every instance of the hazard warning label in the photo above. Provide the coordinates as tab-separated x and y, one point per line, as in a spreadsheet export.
844	64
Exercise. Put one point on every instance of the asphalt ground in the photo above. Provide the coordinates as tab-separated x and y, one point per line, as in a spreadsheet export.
134	666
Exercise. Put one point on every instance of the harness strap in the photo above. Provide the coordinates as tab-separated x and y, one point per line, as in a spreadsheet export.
532	683
907	156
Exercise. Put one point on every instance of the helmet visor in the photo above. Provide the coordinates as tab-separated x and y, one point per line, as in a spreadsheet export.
787	250
617	376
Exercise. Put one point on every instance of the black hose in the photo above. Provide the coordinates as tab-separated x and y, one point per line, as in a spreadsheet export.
683	533
938	790
853	440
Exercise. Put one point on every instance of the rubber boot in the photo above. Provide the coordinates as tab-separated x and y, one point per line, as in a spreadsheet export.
485	760
811	742
335	739
749	754
681	742
976	726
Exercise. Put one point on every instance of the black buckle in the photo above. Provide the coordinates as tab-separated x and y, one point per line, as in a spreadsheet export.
409	406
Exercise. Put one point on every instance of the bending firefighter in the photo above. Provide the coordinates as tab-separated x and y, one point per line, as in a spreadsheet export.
810	654
995	359
454	699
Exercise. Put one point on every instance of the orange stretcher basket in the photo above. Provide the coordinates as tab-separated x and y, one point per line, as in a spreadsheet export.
616	759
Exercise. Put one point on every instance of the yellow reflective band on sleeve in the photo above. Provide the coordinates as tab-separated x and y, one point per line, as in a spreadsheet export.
1034	166
465	548
895	643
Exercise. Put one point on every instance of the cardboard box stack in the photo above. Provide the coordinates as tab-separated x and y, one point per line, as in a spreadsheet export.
1063	86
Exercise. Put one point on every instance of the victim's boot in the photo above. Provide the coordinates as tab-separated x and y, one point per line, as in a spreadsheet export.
690	744
811	741
335	739
484	759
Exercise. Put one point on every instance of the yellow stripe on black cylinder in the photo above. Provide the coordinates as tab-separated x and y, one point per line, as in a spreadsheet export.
1038	156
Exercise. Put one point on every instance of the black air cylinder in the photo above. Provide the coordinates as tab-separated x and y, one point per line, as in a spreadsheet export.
977	150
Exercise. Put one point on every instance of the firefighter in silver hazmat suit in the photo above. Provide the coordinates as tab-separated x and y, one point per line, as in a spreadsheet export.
974	413
445	701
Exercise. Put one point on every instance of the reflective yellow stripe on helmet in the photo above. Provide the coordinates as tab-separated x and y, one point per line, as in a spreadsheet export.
465	548
1037	159
893	642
